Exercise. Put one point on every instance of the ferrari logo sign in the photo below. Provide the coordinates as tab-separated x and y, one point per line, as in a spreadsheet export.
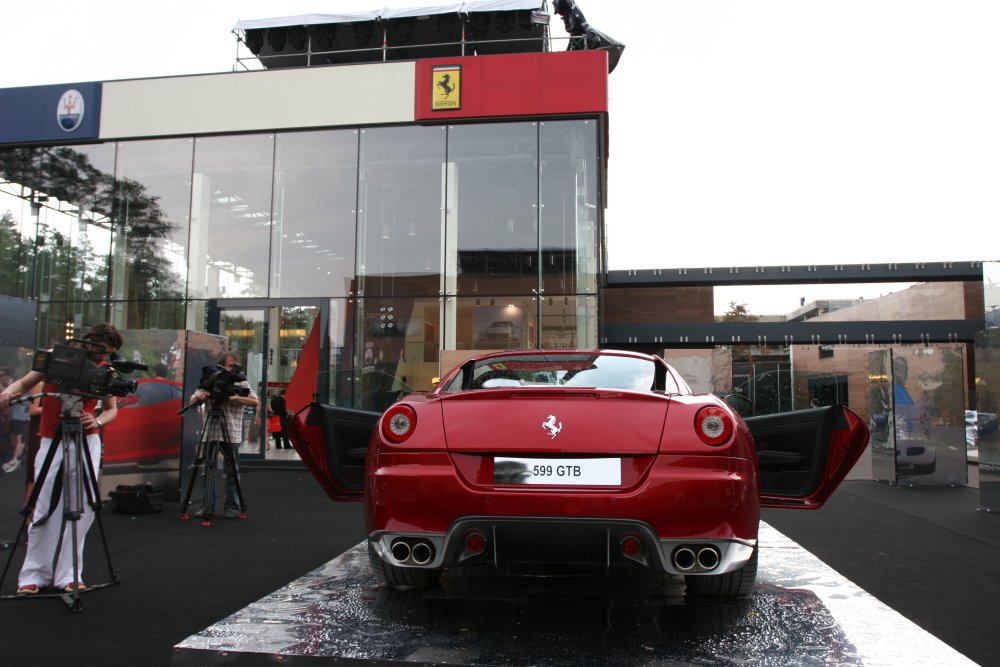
550	426
446	91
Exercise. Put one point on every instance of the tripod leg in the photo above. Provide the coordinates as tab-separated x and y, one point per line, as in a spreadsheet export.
13	549
29	507
77	515
233	477
94	498
208	499
199	459
43	530
234	494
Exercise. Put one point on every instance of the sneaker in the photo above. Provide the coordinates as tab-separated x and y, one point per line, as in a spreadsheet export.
74	586
28	589
11	466
232	514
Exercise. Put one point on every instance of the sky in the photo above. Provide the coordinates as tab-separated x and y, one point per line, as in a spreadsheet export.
742	132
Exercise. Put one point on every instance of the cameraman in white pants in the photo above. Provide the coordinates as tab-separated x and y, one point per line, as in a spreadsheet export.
45	529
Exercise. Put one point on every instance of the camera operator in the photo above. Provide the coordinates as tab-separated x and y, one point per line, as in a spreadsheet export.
231	405
45	529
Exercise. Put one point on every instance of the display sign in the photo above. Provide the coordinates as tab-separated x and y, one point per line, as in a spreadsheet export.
60	113
446	91
559	472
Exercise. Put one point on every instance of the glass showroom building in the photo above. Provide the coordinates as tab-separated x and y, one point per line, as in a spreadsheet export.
412	188
406	221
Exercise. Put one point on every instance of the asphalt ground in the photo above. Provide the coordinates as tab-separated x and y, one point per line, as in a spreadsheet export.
927	552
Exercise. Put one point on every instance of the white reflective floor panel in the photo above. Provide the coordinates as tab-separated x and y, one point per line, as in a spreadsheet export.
800	613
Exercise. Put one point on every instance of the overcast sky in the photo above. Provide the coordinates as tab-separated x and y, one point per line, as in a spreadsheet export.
742	132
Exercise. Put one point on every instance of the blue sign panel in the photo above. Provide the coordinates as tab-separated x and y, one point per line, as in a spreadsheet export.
64	113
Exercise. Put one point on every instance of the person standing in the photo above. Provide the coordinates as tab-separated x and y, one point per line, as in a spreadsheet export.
6	377
43	566
226	433
19	420
280	410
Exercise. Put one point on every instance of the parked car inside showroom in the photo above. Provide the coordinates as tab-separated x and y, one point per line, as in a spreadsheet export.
147	426
536	462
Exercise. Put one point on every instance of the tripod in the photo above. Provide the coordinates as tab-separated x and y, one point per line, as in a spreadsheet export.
214	440
74	483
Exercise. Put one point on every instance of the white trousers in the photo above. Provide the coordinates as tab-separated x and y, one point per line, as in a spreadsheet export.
42	565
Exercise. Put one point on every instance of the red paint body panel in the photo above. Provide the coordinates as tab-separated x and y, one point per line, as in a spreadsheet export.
527	84
679	496
586	429
307	437
147	427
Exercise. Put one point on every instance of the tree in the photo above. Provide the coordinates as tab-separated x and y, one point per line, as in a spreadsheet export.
738	313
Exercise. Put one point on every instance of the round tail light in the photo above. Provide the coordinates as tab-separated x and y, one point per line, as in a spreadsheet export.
398	423
713	425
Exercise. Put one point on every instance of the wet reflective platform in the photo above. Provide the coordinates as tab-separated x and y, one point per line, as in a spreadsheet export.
800	613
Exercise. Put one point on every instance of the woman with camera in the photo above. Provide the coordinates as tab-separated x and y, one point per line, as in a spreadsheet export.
45	529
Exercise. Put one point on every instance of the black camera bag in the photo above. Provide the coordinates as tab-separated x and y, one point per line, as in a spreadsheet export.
136	499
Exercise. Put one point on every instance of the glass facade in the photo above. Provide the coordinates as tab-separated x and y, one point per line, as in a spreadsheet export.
419	237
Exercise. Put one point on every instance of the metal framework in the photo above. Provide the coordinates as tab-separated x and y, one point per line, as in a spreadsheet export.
896	332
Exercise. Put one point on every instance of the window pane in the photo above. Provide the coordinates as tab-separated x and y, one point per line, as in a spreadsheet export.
849	302
315	188
230	225
60	320
495	177
494	323
569	322
65	226
401	201
571	203
398	350
152	203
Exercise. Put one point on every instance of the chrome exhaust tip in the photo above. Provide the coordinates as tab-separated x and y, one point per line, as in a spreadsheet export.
708	558
421	553
400	551
685	559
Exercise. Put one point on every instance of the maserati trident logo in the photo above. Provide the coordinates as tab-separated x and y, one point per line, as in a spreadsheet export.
550	426
69	110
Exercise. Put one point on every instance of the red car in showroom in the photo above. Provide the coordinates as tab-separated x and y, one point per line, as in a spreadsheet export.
147	426
573	461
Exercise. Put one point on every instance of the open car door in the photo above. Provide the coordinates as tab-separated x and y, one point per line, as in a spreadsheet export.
333	443
806	454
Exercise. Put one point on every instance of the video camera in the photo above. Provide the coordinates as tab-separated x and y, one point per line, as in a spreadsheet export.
70	369
220	382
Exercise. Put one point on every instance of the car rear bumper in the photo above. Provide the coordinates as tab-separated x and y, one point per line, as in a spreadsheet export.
678	497
557	545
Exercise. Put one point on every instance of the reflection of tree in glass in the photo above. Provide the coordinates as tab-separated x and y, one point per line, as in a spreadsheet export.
69	268
14	254
150	278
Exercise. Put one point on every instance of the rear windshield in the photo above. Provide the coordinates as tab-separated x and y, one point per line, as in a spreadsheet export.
558	370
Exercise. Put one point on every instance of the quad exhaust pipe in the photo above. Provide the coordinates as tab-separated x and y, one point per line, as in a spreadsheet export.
696	558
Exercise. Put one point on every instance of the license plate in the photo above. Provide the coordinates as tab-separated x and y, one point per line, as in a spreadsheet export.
561	472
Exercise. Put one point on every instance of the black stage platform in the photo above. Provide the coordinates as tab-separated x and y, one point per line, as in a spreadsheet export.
800	613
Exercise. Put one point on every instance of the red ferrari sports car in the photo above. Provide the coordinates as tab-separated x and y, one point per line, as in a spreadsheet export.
569	461
148	426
